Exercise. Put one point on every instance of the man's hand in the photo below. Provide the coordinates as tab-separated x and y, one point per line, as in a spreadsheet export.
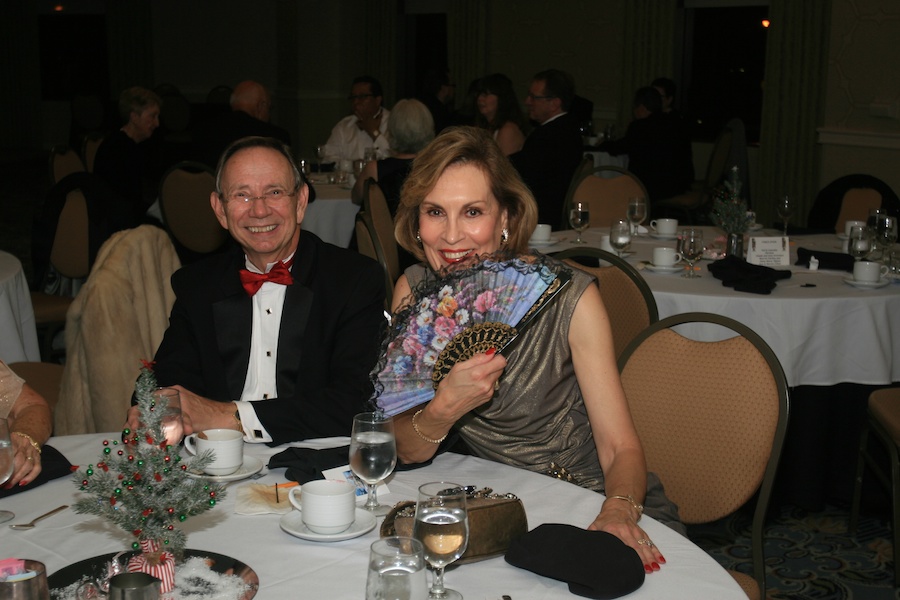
201	413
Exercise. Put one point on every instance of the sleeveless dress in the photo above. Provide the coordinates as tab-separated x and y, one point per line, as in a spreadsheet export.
538	420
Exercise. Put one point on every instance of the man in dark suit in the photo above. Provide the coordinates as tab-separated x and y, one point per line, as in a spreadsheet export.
278	340
553	151
251	103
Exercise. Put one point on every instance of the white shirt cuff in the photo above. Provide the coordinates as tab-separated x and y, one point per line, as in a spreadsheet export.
254	432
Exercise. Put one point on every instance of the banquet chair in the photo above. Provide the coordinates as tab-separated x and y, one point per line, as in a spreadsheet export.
713	435
64	161
376	207
606	189
43	377
692	202
627	297
118	318
89	148
849	198
184	192
365	244
69	255
884	423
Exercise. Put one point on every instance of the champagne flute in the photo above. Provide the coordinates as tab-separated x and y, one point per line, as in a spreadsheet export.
620	235
373	454
637	212
7	463
690	245
859	242
442	525
579	219
785	210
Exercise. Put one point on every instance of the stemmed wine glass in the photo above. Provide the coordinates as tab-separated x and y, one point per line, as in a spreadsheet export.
859	243
785	210
637	212
690	245
7	463
579	219
442	525
620	235
373	454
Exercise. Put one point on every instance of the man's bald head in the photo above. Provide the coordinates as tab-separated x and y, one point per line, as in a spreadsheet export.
252	98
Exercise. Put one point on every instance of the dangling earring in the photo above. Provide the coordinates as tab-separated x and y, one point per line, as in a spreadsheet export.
418	238
504	236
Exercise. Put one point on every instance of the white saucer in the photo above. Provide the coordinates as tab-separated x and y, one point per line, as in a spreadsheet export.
754	227
867	285
251	466
677	268
293	524
663	236
536	244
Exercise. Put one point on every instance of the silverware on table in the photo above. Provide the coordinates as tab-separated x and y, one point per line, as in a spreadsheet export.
36	519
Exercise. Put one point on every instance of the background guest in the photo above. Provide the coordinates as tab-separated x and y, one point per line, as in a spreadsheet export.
366	127
499	113
30	424
437	94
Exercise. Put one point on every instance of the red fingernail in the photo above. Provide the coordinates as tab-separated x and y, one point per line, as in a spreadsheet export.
662	559
23	483
648	569
491	351
656	566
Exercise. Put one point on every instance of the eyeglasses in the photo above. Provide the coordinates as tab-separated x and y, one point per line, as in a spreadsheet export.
353	97
271	197
533	97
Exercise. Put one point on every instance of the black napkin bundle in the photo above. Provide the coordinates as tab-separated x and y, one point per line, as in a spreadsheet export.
837	261
595	564
53	466
743	277
307	464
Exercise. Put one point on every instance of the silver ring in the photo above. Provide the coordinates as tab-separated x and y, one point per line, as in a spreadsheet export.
645	542
30	458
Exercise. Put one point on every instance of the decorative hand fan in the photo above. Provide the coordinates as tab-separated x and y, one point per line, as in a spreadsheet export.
457	316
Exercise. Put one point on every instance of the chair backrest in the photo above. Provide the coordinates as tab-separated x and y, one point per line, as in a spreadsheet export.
856	204
70	254
64	161
375	205
627	297
365	243
184	202
89	148
718	160
43	377
711	417
849	198
607	190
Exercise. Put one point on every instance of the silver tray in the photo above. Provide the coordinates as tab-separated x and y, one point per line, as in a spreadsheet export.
97	565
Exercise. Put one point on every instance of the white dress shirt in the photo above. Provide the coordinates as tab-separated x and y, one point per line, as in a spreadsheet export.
349	142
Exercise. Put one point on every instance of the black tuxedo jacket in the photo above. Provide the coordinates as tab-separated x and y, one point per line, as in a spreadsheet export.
547	162
329	339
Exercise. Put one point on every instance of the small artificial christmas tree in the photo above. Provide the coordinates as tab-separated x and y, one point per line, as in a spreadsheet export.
142	484
729	210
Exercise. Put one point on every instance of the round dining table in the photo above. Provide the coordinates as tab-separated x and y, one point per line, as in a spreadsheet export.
18	332
292	567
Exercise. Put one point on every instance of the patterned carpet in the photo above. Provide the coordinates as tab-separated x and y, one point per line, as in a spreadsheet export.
810	555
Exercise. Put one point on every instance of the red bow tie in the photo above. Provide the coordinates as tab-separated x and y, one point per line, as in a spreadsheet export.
280	273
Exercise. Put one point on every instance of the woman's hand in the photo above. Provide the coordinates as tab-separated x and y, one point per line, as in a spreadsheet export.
468	385
26	461
617	518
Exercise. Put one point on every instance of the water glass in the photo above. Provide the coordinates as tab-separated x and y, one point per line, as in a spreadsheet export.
690	245
637	212
620	235
396	570
859	242
579	219
7	463
373	454
442	525
172	422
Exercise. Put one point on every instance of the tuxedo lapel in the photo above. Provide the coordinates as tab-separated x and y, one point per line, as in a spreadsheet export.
233	319
298	300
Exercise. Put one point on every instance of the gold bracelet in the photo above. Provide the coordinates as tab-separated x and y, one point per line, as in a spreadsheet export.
30	439
419	433
634	503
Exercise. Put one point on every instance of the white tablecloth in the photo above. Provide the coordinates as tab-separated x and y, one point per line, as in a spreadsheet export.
289	567
332	215
605	159
823	335
18	335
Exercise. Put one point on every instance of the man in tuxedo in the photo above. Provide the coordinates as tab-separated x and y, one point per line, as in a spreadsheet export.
276	340
553	151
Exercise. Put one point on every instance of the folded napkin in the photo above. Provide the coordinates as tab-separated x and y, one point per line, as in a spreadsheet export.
306	464
595	564
743	277
53	466
837	261
260	499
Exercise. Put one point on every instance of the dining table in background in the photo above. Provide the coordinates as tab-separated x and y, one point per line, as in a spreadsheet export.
18	332
291	567
332	216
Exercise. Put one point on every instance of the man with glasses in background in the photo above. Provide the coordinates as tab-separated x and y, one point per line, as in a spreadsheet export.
365	128
553	150
276	339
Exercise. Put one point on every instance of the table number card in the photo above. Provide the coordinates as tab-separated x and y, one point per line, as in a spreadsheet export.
769	251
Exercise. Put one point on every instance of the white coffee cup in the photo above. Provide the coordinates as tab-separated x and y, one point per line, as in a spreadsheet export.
849	224
327	506
541	233
226	444
665	257
867	271
664	226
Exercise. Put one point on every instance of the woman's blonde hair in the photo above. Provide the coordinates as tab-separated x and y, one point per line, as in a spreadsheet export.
469	146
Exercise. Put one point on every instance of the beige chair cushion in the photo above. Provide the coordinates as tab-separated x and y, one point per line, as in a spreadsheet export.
885	408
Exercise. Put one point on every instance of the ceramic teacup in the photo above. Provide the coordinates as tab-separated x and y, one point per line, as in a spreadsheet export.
867	271
327	506
227	446
664	226
665	257
541	233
